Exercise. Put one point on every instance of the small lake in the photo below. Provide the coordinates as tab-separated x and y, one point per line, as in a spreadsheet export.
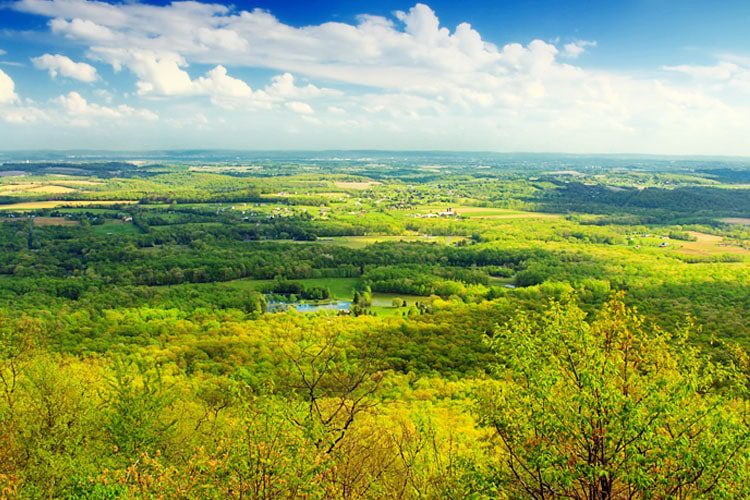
340	305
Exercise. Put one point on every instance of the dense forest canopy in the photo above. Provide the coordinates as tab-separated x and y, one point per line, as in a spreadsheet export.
436	326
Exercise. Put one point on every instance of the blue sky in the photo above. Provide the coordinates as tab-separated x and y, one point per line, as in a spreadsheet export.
648	76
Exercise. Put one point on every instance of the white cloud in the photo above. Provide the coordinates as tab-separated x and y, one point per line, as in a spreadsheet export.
23	115
575	49
12	109
721	71
64	66
284	86
71	108
300	107
407	77
7	89
82	29
2	52
81	112
218	83
722	75
166	75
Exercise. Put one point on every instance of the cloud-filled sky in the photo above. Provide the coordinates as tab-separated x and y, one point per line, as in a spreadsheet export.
639	76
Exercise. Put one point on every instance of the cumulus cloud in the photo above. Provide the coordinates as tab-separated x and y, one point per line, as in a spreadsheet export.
575	49
408	72
82	29
12	109
82	112
722	75
72	109
166	74
300	107
7	89
723	70
64	66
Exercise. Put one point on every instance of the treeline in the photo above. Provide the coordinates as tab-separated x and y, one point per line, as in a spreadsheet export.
651	203
212	254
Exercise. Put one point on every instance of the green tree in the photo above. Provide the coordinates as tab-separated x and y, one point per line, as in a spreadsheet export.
136	400
614	408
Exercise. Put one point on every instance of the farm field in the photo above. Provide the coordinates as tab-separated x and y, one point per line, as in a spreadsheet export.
708	244
34	188
487	212
37	205
737	220
115	228
363	241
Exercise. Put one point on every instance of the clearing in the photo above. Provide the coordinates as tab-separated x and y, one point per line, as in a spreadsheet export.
355	185
744	221
36	205
706	244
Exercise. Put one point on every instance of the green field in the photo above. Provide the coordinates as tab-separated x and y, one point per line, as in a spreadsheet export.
36	205
115	228
363	241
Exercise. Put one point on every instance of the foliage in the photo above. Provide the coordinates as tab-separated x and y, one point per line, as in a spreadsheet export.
613	409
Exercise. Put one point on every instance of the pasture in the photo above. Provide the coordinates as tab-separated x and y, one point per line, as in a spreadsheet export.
37	205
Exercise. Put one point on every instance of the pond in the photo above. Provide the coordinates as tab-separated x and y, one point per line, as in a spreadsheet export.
302	307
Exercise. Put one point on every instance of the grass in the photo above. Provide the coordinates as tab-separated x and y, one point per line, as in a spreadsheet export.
80	210
51	189
355	185
115	227
57	186
36	205
363	241
44	221
745	221
54	221
487	212
385	300
706	244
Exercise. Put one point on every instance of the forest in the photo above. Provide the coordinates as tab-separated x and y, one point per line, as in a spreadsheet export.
297	328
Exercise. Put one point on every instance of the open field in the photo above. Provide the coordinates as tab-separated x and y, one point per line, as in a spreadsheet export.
45	221
34	189
385	300
54	221
745	221
36	205
115	227
51	189
487	212
363	241
706	244
77	182
357	186
12	188
47	186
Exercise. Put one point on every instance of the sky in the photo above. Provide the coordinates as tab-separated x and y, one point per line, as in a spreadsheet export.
640	76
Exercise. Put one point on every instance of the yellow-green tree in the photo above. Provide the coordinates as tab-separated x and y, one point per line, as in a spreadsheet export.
614	408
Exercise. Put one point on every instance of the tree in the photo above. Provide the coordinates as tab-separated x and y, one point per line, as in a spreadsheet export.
333	387
136	400
614	408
